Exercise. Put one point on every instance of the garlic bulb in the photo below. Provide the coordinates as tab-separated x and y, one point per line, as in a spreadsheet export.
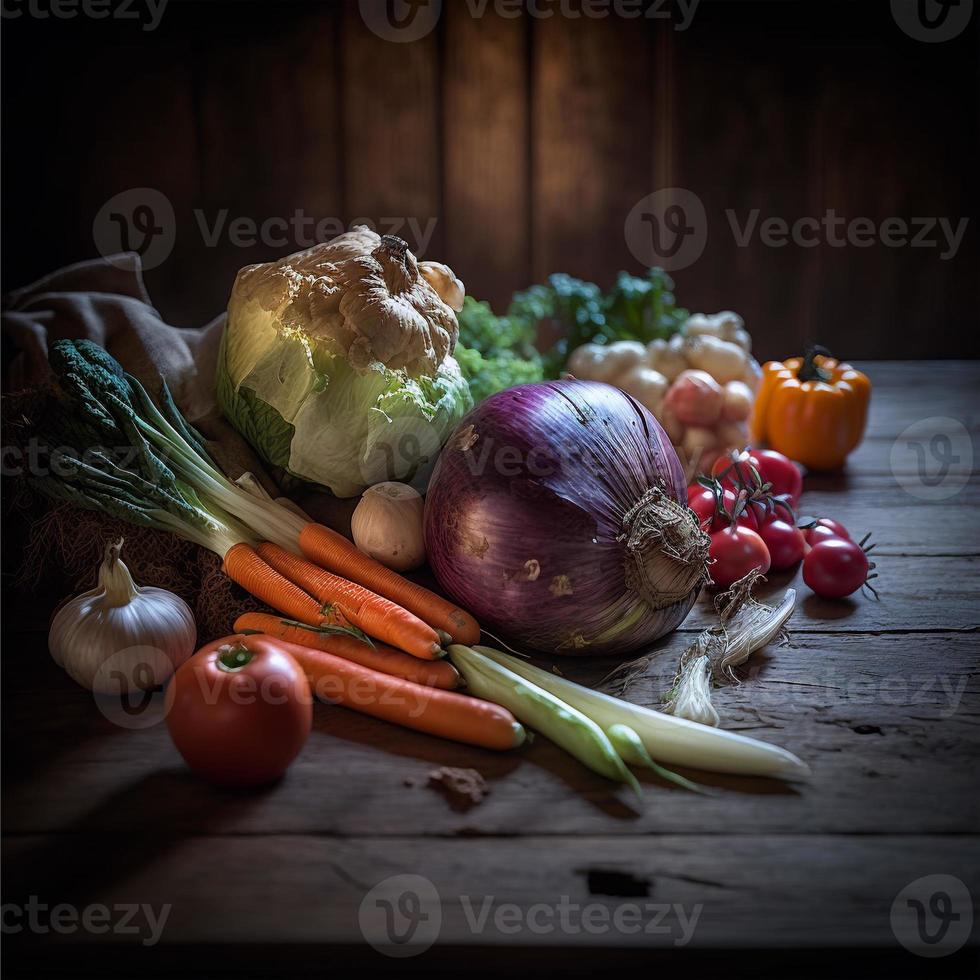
120	637
387	526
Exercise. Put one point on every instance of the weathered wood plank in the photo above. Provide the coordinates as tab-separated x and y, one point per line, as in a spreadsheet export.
272	154
819	892
589	169
391	134
486	179
756	139
889	727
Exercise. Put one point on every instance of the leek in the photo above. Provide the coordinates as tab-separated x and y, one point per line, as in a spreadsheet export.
542	711
668	739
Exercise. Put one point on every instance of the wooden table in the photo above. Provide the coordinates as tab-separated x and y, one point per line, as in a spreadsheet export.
880	698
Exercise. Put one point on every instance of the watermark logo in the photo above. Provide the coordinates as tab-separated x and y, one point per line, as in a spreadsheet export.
142	220
932	21
126	689
138	220
668	228
401	916
400	20
933	458
403	448
933	916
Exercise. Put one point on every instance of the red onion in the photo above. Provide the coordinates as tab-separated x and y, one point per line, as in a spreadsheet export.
557	514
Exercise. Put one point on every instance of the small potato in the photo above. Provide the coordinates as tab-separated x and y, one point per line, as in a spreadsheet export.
695	398
647	386
582	363
731	435
737	406
697	446
724	361
616	359
666	358
726	325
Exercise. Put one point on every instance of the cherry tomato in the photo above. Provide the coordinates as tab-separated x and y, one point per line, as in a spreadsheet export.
785	542
780	471
835	568
773	467
702	502
735	552
825	528
239	711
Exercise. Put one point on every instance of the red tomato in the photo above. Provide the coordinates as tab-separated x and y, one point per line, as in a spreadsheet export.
780	471
239	711
773	467
825	528
785	542
734	553
702	501
835	568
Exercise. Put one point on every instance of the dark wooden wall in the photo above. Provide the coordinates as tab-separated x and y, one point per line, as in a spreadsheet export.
527	140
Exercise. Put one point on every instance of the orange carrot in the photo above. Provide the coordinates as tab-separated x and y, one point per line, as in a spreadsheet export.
378	617
252	573
335	553
388	660
426	709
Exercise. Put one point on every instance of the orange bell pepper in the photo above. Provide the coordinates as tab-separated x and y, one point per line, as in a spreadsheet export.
813	409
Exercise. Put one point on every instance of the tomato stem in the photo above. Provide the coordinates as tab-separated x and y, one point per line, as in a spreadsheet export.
232	658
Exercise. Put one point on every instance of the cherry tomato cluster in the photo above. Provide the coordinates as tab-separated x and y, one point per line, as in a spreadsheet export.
748	507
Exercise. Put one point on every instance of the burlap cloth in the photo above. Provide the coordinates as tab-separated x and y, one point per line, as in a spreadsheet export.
53	551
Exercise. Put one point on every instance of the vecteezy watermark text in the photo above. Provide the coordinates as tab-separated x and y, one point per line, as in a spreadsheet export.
142	219
148	13
120	919
669	228
402	916
837	231
405	21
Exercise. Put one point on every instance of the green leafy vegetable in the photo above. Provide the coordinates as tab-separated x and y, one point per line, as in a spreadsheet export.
313	415
495	352
636	308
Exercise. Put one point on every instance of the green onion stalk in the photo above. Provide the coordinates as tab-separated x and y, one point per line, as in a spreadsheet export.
168	482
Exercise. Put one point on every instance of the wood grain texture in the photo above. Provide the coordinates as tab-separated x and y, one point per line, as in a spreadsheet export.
527	140
272	154
487	172
391	134
887	724
837	891
592	133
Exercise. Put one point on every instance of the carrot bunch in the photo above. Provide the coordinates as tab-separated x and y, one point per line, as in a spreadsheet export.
331	600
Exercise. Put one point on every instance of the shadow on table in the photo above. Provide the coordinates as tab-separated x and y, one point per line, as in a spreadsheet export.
59	869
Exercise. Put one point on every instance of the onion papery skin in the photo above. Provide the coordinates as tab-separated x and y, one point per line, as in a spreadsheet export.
527	519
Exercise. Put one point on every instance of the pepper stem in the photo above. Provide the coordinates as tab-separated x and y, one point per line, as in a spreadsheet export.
809	369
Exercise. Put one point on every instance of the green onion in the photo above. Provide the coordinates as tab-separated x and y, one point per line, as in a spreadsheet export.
542	711
665	737
168	481
631	749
